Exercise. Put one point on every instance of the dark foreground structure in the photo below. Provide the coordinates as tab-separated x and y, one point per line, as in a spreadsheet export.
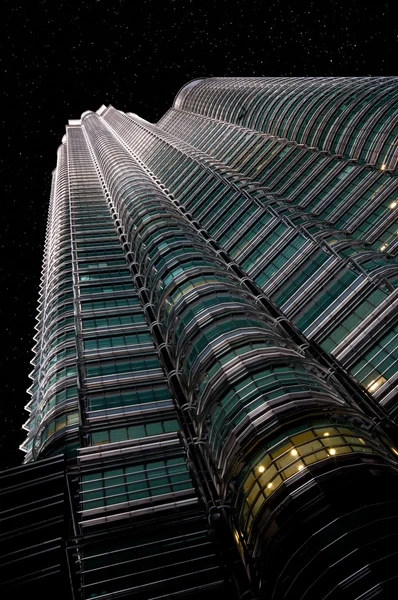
214	398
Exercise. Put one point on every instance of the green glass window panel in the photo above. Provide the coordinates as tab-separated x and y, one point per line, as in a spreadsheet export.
132	397
135	482
118	435
263	246
65	353
64	372
359	313
107	288
334	289
100	437
103	263
112	303
136	431
171	425
122	366
73	418
103	275
116	341
301	277
154	428
380	360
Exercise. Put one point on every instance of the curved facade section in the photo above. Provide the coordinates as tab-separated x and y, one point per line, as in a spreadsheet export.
352	117
319	277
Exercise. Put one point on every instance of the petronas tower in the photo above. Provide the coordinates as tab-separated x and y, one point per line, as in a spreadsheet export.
214	389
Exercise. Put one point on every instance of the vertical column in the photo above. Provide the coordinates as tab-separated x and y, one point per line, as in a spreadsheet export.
135	483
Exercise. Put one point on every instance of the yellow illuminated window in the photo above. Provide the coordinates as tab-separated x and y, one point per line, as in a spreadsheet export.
311	458
253	494
375	384
332	441
305	436
268	475
311	447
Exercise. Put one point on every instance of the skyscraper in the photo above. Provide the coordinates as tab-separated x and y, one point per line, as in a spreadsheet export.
216	347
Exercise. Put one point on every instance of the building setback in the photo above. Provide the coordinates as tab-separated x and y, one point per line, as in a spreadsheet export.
214	398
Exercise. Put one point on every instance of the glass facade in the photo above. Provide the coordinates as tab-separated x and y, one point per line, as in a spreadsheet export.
217	343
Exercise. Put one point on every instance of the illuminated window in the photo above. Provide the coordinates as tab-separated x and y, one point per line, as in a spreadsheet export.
375	384
290	457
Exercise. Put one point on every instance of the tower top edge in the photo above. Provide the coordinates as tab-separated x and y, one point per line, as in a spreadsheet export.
184	90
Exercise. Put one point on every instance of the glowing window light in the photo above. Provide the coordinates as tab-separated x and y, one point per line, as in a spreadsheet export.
326	434
376	383
300	467
270	485
332	451
261	469
294	452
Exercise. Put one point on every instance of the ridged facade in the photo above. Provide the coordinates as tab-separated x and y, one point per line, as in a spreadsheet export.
217	342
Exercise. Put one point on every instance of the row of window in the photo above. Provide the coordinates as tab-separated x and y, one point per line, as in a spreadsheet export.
134	482
132	432
116	341
115	321
125	398
122	365
110	303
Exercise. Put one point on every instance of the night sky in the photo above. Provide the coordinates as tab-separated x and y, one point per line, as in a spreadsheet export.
62	58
